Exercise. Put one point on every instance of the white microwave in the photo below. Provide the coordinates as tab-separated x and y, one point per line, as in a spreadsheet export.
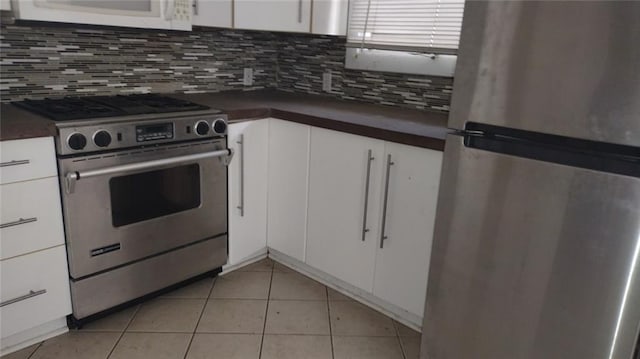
154	14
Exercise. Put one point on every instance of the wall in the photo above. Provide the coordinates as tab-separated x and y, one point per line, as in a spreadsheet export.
64	60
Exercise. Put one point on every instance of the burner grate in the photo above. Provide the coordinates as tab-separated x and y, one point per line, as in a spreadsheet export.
74	108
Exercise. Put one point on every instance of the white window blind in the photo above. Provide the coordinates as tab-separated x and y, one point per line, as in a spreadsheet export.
412	25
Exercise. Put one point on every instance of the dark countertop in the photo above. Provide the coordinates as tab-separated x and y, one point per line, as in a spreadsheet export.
16	123
412	127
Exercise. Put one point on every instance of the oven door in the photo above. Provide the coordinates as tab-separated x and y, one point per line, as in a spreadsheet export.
126	206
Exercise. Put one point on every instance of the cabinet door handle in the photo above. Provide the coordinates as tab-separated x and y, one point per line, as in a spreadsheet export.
366	195
299	11
31	294
384	203
14	163
18	222
241	150
195	7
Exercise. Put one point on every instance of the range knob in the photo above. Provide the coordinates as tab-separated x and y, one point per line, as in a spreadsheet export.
202	128
219	126
102	138
76	141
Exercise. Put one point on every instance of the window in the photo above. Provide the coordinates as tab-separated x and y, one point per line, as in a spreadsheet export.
408	36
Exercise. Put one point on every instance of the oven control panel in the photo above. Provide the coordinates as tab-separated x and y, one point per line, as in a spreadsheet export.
156	131
72	140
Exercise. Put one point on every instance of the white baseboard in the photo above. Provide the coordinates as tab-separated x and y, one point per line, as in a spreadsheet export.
259	255
32	336
409	319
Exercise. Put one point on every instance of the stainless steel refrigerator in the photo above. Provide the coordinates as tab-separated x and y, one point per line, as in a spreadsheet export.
537	238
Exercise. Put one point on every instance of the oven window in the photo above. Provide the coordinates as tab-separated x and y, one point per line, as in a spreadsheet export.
143	196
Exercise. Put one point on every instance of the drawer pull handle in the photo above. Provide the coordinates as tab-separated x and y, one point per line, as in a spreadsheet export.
14	163
18	222
31	294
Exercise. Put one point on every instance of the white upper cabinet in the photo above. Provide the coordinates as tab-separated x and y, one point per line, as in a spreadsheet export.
247	189
273	15
5	5
344	206
288	180
215	13
330	17
152	14
402	261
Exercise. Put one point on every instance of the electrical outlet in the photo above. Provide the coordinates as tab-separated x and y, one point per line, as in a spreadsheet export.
248	76
326	81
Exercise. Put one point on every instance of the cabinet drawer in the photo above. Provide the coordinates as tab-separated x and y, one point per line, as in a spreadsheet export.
23	160
31	217
34	290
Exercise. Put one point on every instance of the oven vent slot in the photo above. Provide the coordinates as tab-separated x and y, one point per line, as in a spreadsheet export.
146	151
105	249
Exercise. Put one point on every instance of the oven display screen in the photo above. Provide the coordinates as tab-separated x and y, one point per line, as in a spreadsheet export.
157	131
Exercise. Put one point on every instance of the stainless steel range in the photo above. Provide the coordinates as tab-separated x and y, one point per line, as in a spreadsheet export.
144	192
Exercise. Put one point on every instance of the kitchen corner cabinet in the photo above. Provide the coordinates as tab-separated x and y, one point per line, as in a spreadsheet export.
216	13
273	15
339	242
402	260
247	189
388	255
288	180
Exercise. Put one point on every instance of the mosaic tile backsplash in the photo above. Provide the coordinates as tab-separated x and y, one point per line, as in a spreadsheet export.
57	61
302	59
51	61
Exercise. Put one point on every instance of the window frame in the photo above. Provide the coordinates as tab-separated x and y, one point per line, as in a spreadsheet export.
398	59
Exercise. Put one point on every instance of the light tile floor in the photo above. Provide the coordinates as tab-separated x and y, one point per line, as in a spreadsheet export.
262	311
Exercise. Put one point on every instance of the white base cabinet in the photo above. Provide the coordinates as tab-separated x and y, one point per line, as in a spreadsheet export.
34	280
31	217
247	189
35	290
288	180
389	255
360	210
402	260
339	242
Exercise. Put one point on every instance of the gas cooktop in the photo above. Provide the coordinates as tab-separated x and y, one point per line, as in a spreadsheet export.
74	108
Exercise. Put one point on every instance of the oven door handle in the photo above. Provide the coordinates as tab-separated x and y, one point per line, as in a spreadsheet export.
72	177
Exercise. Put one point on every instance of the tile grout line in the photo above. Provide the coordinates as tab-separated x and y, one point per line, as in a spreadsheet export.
333	354
38	347
266	312
124	330
206	301
395	326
